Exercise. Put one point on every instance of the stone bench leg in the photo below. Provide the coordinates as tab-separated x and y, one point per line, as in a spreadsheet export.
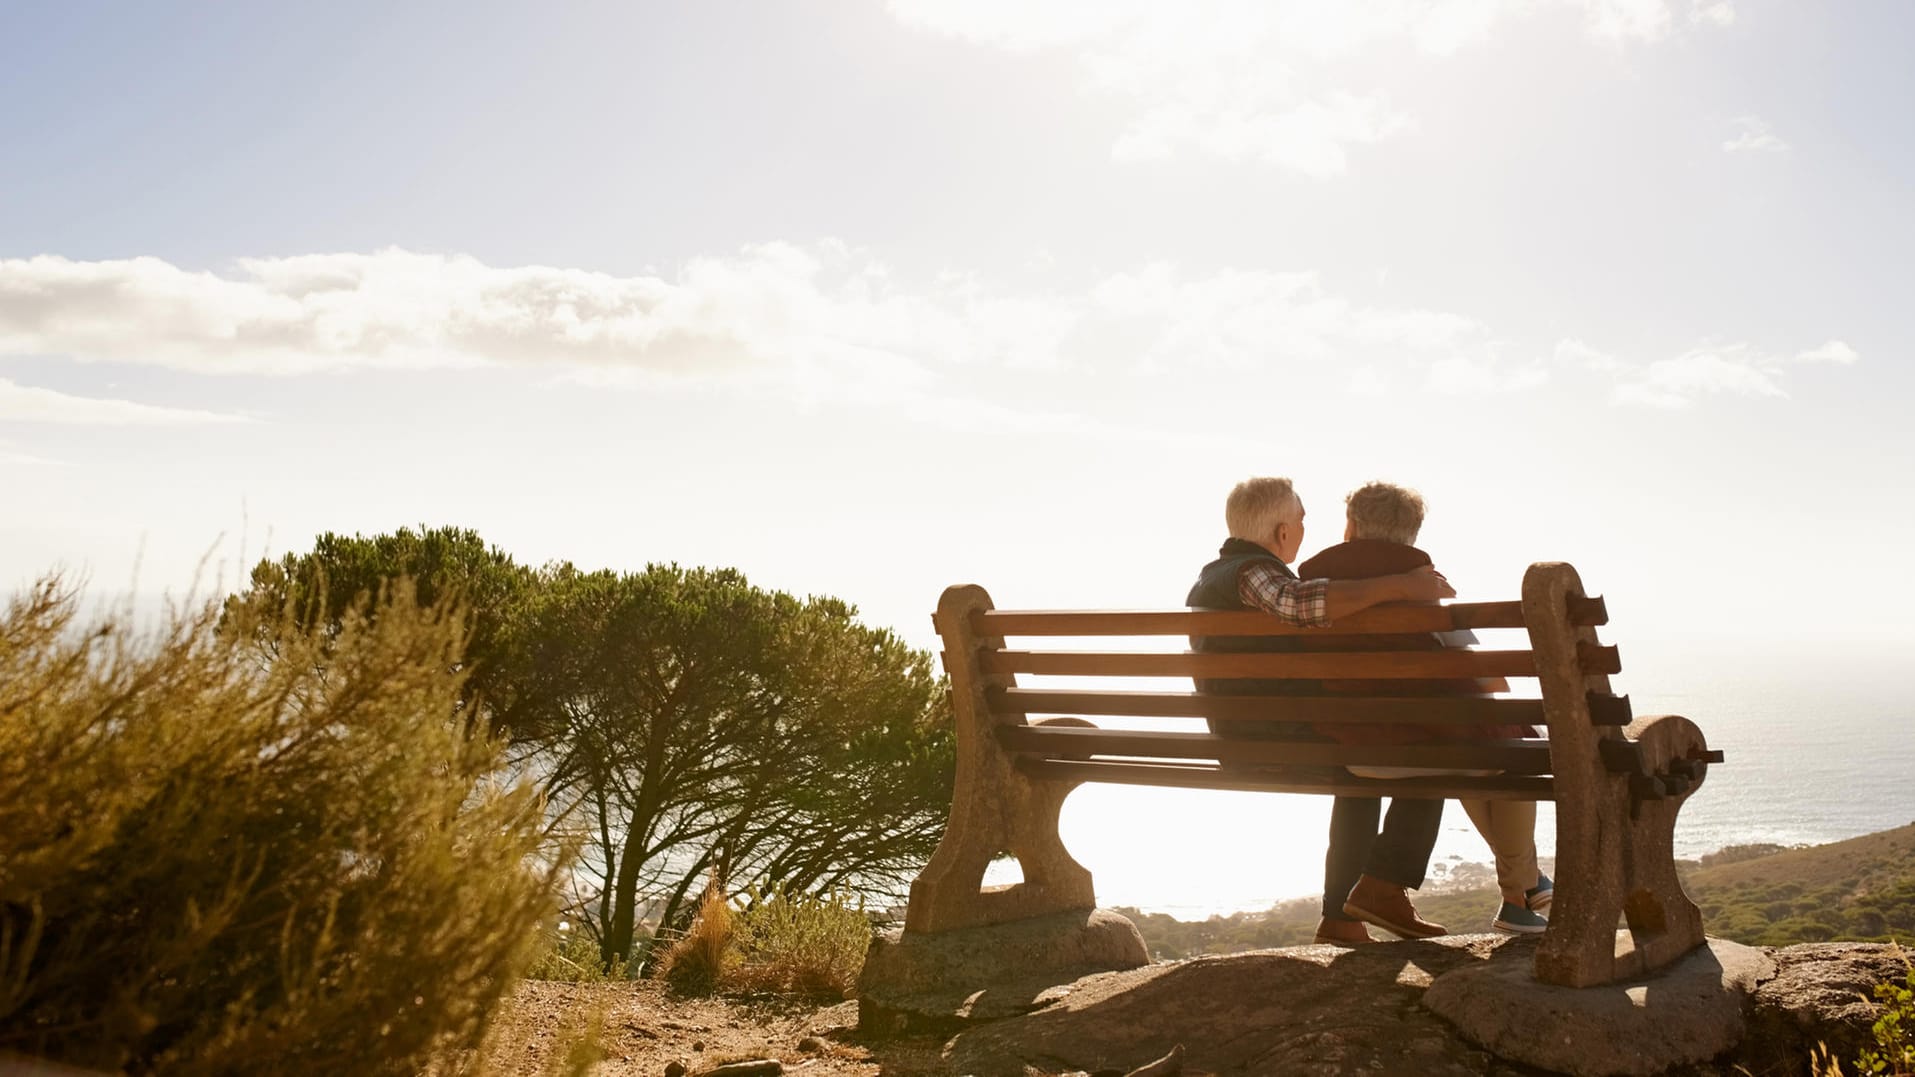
1614	859
995	808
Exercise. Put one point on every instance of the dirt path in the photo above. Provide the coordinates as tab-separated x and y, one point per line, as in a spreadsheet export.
643	1030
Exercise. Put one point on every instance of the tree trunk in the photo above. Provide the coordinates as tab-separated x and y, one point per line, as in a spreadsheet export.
616	945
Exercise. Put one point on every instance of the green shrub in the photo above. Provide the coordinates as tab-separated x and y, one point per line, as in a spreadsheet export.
223	848
570	956
1894	1052
1736	854
810	946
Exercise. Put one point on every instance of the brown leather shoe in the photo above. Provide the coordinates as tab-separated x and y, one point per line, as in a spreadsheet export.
1388	906
1342	933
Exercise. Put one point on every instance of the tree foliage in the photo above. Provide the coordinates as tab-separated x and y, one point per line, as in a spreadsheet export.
685	720
343	572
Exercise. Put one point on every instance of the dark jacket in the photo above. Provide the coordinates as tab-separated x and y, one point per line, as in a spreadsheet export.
1362	559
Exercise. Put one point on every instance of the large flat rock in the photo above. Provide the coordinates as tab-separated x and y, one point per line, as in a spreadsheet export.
1687	1013
1318	1010
938	983
1823	993
1304	1010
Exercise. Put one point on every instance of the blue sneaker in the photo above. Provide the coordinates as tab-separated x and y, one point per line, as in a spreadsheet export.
1513	919
1538	897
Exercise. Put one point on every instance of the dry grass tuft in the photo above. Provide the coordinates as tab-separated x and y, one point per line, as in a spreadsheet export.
227	845
697	963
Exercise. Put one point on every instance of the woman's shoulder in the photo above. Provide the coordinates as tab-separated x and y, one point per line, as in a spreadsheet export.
1361	559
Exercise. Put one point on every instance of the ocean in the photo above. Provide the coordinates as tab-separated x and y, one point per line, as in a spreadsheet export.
1817	751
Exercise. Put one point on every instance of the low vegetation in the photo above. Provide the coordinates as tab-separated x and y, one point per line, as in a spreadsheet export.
810	947
1859	890
1893	1052
795	945
225	845
571	956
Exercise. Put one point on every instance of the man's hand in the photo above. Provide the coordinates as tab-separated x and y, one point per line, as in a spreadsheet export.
1425	584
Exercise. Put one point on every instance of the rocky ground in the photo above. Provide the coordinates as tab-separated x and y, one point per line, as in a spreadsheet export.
1303	1010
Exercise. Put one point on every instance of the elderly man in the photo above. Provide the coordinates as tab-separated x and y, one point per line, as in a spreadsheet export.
1365	874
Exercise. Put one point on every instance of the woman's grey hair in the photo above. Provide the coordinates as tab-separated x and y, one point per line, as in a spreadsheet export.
1384	510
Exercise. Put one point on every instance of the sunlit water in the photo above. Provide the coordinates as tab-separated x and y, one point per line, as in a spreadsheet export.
1815	754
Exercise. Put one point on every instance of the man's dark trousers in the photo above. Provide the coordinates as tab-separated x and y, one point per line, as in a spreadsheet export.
1400	854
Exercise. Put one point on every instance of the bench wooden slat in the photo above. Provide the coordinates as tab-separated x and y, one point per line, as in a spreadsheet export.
1522	756
1369	665
1197	776
1440	710
1195	622
1429	709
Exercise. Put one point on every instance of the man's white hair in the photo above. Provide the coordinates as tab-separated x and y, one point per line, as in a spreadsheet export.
1256	506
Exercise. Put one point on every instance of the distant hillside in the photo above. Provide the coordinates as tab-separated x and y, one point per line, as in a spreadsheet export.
1862	889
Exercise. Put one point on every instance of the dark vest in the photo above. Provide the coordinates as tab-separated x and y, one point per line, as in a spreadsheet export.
1216	589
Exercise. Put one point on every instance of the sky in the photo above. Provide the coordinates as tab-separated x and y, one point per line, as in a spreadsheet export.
868	298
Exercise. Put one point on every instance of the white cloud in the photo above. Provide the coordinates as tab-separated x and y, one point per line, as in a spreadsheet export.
825	314
26	403
1261	80
1712	12
1311	137
1620	20
1576	353
1674	383
771	305
817	323
1753	134
1834	351
1477	376
1240	319
1706	370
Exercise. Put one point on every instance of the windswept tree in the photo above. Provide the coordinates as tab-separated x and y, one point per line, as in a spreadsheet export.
683	719
702	723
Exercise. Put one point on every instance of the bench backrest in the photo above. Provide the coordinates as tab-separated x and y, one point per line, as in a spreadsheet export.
1373	667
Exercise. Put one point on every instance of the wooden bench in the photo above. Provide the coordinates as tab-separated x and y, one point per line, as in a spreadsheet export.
1617	783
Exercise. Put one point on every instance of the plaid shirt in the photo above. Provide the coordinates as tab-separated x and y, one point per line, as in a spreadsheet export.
1269	586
